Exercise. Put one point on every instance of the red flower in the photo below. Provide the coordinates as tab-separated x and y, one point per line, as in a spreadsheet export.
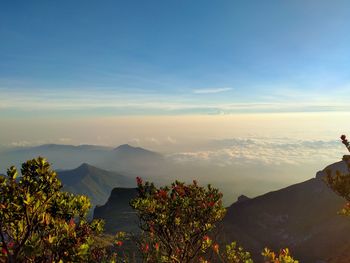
71	222
216	248
4	251
11	244
139	180
156	246
145	248
211	204
206	238
119	243
162	194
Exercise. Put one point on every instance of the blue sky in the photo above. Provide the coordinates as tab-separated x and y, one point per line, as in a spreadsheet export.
173	57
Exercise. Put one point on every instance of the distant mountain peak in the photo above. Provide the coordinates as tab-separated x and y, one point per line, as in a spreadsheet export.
127	148
86	168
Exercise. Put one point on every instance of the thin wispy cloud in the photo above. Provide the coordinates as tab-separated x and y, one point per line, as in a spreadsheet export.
114	102
211	90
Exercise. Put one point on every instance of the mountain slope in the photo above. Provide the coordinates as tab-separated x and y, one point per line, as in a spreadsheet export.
91	181
302	217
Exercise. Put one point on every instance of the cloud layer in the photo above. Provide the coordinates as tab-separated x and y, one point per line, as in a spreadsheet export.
264	151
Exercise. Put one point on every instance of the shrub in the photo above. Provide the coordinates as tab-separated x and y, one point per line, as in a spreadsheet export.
177	220
39	222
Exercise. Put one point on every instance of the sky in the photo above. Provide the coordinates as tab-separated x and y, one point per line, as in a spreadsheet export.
252	93
149	71
173	57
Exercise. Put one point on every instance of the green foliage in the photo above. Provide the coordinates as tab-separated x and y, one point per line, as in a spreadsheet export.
176	220
283	256
340	182
38	222
236	254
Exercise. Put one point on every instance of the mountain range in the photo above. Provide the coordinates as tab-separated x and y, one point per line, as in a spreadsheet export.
63	157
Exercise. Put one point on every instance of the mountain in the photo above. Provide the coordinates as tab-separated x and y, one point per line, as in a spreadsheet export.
133	160
61	156
125	158
94	182
117	213
302	217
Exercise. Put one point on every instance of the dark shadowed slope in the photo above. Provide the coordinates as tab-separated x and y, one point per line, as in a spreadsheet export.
302	217
94	182
117	213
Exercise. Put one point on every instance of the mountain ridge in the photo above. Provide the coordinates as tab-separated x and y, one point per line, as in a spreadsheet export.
94	182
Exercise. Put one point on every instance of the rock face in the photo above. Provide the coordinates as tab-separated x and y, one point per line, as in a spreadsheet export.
302	217
117	213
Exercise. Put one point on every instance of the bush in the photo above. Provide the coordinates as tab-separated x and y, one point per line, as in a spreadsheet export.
176	220
39	222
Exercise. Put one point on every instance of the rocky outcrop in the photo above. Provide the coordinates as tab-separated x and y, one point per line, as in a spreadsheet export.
117	213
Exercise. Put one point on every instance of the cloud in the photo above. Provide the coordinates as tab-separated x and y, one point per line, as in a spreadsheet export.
46	102
264	151
211	91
